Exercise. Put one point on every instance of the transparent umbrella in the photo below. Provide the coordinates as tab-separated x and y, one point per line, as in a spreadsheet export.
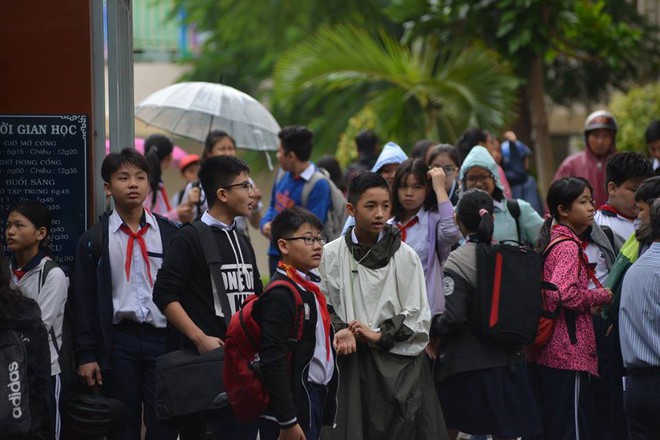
192	109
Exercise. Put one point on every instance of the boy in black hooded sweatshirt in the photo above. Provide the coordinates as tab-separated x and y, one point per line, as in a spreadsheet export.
183	289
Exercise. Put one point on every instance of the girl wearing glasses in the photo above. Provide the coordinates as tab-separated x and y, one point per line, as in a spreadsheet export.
479	170
446	157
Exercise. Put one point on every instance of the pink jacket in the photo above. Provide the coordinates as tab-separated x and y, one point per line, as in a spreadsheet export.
563	268
586	164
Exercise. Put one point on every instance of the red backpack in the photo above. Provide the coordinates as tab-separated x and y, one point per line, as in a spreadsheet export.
241	373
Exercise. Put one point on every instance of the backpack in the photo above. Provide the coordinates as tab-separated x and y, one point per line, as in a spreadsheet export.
336	217
508	303
14	405
241	373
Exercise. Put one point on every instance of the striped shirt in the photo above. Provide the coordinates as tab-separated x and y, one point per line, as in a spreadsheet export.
640	311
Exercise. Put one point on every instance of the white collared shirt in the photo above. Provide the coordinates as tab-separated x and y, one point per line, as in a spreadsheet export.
212	221
133	298
309	172
320	367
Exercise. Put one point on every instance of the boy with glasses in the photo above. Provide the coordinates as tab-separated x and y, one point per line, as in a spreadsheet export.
183	289
303	390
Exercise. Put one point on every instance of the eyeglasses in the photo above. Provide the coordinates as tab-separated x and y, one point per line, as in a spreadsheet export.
309	240
484	178
449	169
247	185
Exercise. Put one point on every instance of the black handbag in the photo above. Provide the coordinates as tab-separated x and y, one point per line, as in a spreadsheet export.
187	382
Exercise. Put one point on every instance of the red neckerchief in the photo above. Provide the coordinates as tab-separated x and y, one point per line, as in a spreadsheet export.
19	273
292	273
613	210
408	225
132	237
165	198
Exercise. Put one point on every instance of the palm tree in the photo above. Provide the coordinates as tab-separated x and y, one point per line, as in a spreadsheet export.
416	90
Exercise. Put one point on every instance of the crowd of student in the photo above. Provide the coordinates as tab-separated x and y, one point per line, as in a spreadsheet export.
387	348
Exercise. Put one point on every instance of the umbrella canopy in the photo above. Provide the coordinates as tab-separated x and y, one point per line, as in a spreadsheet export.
192	109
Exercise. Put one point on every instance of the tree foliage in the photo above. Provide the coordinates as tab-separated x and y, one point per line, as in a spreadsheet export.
416	90
634	111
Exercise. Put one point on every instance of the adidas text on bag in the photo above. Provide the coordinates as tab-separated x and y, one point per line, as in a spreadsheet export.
14	404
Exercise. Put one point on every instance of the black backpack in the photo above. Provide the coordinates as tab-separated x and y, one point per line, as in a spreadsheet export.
509	297
14	405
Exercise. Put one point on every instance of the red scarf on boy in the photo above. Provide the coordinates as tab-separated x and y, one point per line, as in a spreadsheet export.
293	274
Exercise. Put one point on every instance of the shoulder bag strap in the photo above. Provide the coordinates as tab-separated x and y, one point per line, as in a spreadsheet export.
214	263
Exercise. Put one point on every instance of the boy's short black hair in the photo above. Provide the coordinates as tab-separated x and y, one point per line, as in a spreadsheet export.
627	165
218	172
366	141
363	182
287	222
298	139
114	161
648	191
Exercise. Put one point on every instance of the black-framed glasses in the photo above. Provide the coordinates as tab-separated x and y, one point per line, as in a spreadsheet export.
247	185
309	240
484	178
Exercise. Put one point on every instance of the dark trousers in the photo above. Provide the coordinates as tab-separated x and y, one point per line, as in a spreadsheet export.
132	380
270	430
641	400
272	264
564	399
53	407
218	424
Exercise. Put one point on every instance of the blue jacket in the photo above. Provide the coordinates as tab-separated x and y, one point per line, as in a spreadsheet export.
287	193
92	291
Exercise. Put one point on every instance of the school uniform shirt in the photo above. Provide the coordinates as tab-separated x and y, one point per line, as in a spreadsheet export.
132	296
415	234
185	276
598	263
51	298
620	225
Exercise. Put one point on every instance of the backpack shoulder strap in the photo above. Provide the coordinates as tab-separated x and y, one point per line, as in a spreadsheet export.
48	266
96	241
554	243
297	328
309	185
214	262
610	236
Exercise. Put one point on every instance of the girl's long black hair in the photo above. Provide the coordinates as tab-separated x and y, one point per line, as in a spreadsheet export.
417	168
156	148
562	192
468	211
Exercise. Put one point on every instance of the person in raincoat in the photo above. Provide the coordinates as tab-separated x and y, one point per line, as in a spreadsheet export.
376	294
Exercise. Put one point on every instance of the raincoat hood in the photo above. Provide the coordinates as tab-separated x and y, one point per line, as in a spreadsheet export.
480	157
391	153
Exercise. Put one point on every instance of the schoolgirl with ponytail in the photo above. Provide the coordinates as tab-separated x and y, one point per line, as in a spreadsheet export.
158	150
28	239
561	370
483	387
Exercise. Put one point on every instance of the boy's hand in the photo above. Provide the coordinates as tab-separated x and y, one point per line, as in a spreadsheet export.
206	343
293	433
194	195
344	342
364	333
90	373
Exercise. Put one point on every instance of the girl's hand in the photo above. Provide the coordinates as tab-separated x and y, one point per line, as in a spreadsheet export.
438	178
432	347
363	333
